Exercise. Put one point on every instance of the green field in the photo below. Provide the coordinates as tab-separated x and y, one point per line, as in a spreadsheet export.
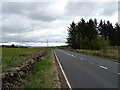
12	57
44	74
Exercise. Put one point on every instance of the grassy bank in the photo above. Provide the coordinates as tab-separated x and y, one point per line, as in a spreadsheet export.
44	74
110	53
12	57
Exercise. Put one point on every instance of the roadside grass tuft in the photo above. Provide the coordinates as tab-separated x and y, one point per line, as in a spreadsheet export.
44	74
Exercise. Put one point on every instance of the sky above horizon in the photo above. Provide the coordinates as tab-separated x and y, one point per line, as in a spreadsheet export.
32	23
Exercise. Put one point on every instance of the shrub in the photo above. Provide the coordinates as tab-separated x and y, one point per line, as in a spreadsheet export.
99	43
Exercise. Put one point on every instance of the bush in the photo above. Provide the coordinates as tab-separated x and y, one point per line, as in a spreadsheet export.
94	44
85	43
99	43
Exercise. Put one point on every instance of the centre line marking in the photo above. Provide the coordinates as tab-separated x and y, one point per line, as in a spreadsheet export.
103	67
81	58
68	54
74	56
118	73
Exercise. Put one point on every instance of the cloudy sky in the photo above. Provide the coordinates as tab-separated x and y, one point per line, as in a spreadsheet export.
32	23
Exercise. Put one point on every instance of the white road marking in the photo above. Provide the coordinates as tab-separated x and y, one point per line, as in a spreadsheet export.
60	50
103	67
92	63
74	56
70	54
118	73
63	72
81	58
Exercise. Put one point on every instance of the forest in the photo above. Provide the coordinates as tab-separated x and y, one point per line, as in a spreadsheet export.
93	35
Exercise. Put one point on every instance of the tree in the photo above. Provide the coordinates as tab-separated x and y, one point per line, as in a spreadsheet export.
12	45
100	26
111	33
71	40
91	35
91	29
117	29
81	32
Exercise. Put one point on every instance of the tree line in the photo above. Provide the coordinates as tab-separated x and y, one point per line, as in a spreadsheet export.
93	35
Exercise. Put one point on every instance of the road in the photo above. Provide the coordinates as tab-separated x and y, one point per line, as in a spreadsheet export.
87	71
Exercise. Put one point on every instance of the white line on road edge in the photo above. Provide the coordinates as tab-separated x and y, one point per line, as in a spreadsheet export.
63	72
103	67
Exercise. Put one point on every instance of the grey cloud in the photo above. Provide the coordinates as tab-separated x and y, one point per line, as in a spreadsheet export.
13	7
119	6
34	22
20	7
80	8
44	16
89	9
119	12
109	8
35	11
15	23
42	37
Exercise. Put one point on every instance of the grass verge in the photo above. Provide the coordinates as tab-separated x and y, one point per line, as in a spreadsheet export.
108	54
44	74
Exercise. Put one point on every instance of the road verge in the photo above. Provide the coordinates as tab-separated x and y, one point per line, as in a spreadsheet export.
63	79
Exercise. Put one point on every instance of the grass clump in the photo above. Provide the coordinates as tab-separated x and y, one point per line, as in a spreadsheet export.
44	74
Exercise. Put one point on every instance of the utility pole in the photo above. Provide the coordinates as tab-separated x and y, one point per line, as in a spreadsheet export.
47	42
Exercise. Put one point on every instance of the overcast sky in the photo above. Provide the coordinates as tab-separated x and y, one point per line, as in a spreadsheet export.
32	23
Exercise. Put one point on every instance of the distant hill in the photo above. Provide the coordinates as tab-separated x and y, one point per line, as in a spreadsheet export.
12	46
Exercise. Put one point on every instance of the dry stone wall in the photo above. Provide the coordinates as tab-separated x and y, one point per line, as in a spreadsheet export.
14	77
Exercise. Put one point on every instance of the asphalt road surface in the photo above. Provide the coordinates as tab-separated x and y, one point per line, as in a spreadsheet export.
87	71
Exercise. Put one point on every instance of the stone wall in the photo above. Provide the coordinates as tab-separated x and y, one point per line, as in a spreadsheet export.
14	77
